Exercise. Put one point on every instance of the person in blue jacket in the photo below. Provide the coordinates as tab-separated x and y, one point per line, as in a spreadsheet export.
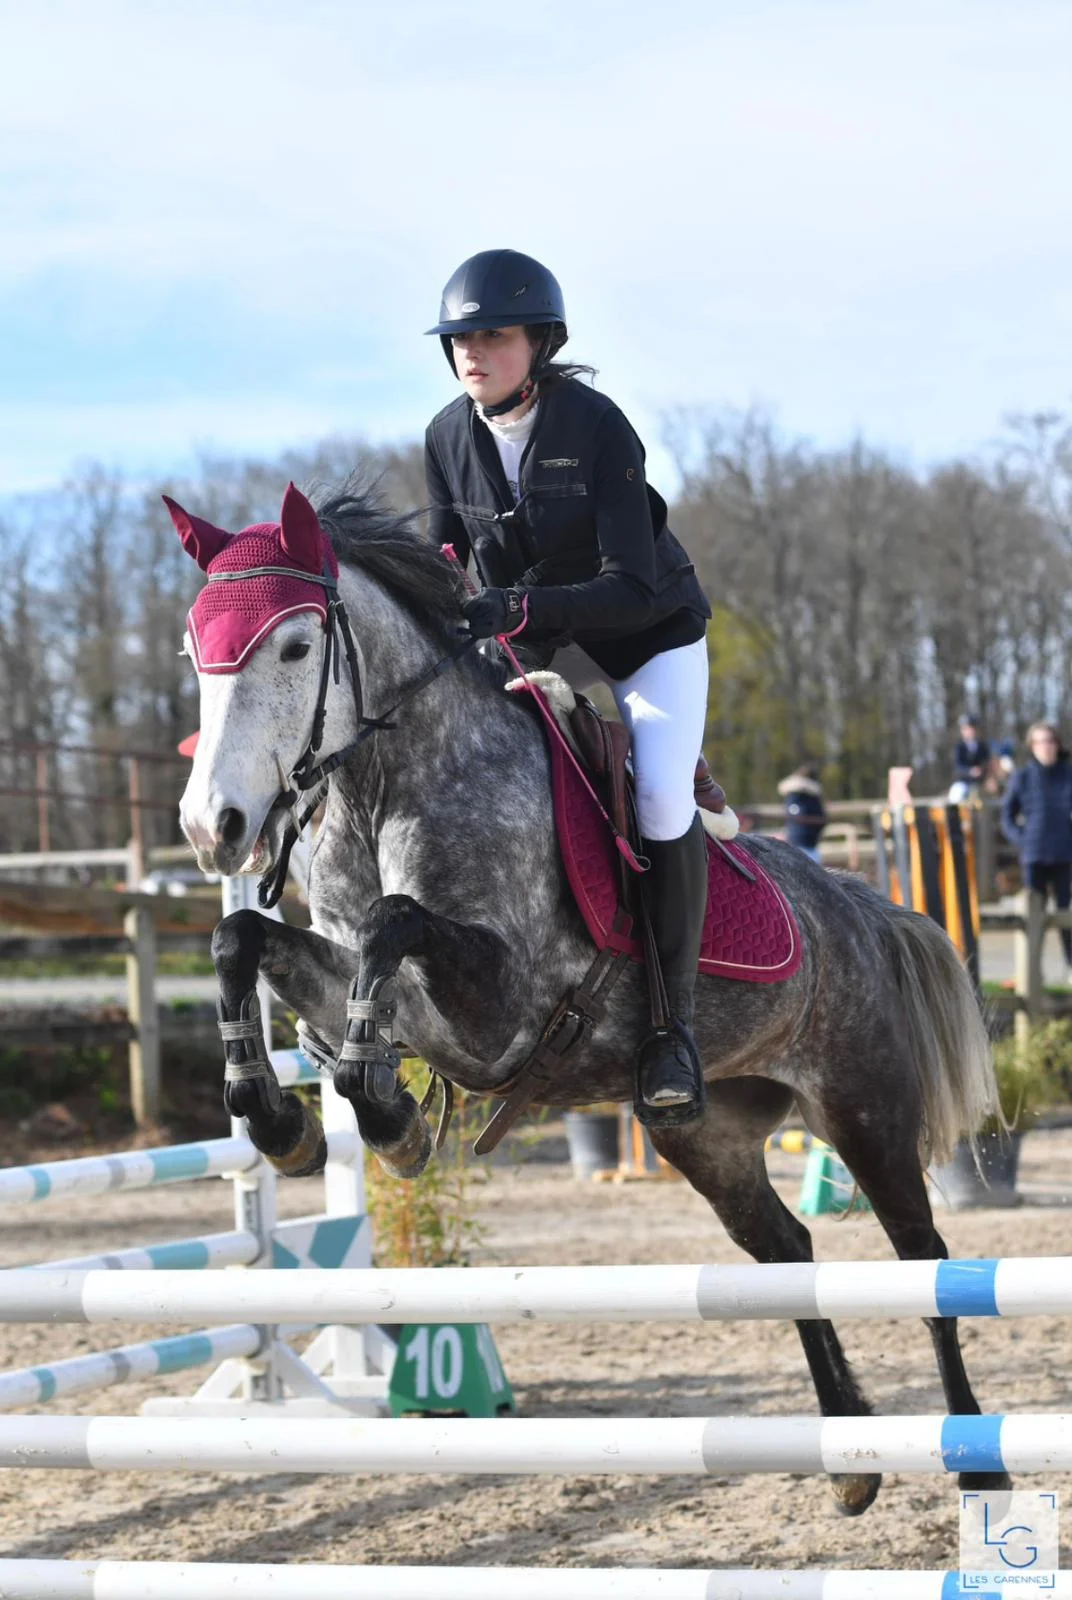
1036	816
805	813
971	760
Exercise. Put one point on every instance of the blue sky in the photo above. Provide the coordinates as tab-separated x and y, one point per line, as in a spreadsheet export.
227	224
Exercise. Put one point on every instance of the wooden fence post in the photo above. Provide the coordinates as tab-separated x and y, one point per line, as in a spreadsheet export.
984	827
136	844
141	1009
1028	954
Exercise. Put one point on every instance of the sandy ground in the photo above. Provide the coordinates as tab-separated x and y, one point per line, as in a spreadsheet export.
537	1214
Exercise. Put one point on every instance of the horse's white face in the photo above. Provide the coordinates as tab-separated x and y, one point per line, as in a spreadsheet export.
255	725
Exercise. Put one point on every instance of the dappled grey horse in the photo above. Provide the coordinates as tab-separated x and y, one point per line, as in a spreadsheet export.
441	915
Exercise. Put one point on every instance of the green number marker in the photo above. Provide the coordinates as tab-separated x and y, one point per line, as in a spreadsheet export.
443	1368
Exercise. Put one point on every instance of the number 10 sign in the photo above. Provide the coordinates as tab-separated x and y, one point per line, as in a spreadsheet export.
443	1369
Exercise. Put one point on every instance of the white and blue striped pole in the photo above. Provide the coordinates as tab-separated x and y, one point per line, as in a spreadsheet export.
543	1445
31	1386
179	1255
145	1580
142	1169
799	1290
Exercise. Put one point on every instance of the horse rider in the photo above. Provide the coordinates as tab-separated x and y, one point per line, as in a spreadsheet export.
541	480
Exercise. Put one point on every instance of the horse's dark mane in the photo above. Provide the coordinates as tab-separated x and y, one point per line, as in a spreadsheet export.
389	546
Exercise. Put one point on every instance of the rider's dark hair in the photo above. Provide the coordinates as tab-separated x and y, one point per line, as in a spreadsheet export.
557	369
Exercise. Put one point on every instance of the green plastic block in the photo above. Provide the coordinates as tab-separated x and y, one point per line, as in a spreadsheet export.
828	1186
449	1369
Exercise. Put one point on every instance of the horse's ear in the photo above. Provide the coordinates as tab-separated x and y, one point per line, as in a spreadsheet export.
200	538
299	530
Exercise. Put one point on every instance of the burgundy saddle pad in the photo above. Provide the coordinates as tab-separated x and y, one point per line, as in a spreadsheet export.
750	932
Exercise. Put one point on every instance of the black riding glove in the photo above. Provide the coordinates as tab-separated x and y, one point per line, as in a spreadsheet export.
494	611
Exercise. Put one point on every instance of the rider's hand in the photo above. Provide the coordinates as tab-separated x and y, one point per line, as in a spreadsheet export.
494	611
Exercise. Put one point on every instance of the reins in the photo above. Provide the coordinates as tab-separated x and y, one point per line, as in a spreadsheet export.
625	849
308	773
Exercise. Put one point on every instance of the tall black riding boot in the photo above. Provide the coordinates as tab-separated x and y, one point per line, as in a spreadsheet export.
669	1077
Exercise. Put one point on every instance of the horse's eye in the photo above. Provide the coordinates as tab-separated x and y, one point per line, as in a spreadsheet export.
296	650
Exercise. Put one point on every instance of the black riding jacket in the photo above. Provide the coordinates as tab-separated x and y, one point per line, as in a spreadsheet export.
587	539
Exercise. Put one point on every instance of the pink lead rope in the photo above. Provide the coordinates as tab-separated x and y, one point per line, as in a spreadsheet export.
624	847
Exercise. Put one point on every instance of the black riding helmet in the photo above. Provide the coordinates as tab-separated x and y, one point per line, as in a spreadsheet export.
501	289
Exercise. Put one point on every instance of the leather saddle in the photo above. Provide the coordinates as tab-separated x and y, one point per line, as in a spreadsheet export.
604	748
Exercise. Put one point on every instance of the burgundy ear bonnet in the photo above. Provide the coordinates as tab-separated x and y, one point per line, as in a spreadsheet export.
228	620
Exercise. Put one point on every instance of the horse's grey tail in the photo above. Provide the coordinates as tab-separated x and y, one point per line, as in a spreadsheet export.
947	1034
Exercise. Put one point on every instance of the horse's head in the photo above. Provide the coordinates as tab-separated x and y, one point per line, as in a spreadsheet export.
256	635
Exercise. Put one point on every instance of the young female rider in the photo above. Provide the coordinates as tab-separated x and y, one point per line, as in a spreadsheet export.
541	479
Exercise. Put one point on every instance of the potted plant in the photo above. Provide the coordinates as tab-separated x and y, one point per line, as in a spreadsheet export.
1032	1074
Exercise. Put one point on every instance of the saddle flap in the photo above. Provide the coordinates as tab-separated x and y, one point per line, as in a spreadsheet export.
604	748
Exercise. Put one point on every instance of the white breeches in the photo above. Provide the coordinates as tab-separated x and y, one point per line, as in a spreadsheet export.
664	707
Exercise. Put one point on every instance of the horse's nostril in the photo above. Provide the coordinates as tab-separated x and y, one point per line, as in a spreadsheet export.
232	825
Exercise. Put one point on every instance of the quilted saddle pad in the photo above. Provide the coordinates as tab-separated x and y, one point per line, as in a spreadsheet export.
750	932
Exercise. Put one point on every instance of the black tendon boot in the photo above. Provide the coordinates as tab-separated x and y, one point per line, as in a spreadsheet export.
669	1077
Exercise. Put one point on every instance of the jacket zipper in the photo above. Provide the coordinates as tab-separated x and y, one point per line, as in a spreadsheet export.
520	531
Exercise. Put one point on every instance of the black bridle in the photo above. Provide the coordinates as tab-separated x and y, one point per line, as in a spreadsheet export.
308	773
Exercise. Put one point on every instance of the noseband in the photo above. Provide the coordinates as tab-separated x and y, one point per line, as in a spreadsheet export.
308	773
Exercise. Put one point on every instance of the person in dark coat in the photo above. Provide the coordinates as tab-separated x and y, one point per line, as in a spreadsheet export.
540	480
1036	816
971	760
805	813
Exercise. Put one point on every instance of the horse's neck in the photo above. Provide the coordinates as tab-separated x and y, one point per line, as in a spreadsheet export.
440	734
392	649
443	763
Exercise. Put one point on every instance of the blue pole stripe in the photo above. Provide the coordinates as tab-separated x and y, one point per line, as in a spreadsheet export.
189	1255
972	1444
179	1161
41	1181
46	1382
186	1350
967	1289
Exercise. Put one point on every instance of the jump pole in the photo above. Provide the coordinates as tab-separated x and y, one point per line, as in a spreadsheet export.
541	1446
32	1386
167	1580
350	1297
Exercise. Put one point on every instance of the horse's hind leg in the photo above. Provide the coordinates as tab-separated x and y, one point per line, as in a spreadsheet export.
882	1155
721	1155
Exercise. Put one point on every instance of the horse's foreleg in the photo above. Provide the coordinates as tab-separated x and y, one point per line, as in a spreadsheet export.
460	967
306	971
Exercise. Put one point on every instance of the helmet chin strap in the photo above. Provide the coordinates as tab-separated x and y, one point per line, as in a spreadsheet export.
512	401
540	360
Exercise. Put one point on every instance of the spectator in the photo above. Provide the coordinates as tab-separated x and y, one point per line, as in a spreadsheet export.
971	759
1036	816
805	814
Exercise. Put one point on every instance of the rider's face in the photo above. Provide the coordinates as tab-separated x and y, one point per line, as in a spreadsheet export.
492	362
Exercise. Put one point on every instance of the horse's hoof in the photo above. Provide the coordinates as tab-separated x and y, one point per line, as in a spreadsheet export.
306	1150
852	1494
409	1157
981	1481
